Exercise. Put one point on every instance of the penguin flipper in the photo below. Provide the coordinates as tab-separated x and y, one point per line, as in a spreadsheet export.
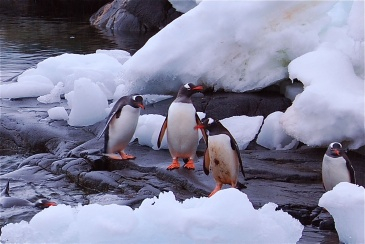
235	148
116	110
111	116
5	192
350	169
198	122
162	133
206	162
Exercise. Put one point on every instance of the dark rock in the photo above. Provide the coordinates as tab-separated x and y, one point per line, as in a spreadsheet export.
328	224
135	15
222	105
324	220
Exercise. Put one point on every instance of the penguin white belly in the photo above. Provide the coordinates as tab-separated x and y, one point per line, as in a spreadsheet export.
182	138
334	171
121	130
223	159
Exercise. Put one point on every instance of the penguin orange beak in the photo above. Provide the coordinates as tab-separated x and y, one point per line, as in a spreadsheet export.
198	88
337	152
48	204
200	126
141	105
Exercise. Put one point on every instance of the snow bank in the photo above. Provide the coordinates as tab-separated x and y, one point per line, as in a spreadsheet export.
346	203
227	217
89	103
331	107
243	128
248	50
54	96
148	129
272	135
101	67
31	86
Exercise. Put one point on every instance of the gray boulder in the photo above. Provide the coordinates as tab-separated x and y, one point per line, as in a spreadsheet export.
135	15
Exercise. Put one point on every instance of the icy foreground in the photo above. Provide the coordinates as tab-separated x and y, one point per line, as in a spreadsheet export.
227	217
346	203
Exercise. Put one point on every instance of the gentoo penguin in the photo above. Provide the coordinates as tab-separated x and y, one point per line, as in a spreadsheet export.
121	125
6	201
222	157
336	167
182	138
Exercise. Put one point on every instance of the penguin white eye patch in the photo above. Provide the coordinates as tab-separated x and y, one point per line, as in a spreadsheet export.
187	86
134	97
331	145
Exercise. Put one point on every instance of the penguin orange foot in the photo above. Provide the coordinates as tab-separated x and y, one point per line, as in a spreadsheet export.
126	156
119	156
175	164
218	187
190	164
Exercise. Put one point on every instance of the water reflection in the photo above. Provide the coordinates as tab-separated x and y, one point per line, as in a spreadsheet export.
26	41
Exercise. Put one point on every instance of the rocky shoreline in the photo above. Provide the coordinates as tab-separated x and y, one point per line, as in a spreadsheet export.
64	163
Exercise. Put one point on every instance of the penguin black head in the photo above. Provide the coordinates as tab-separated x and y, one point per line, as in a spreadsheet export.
136	101
335	150
44	203
212	126
189	89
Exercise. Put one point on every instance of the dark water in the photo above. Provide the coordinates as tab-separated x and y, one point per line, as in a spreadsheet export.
26	41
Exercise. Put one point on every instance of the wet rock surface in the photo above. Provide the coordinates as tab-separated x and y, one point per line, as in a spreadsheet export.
49	159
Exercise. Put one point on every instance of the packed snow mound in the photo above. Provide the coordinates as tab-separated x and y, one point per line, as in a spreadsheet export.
88	103
101	68
331	107
148	129
272	134
243	128
249	50
57	113
54	96
346	203
227	217
31	86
